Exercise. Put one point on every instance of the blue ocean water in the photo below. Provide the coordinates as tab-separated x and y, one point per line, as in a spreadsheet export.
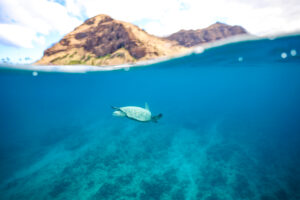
230	128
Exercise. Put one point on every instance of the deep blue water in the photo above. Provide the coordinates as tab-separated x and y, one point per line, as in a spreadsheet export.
230	129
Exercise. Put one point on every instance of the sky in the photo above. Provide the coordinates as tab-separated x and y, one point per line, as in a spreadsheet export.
28	27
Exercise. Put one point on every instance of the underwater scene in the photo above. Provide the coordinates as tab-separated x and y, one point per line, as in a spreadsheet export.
230	128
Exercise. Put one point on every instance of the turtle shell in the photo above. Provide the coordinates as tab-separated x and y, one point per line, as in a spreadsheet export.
137	113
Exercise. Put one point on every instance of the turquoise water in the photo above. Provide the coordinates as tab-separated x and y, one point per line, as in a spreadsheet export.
230	128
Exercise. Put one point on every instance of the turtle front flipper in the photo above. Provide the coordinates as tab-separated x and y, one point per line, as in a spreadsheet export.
147	106
116	108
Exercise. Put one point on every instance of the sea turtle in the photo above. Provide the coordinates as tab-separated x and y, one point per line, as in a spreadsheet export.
136	113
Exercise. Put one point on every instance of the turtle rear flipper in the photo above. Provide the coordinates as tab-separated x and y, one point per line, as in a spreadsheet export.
157	117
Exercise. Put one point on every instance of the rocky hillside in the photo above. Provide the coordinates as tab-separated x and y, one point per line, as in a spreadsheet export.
102	40
190	38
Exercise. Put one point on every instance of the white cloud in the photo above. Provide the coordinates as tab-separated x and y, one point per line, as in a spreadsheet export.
16	35
75	8
24	22
257	16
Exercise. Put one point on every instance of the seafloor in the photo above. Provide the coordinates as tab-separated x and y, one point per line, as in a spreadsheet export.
129	160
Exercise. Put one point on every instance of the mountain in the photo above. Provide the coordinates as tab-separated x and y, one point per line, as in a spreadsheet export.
102	40
217	31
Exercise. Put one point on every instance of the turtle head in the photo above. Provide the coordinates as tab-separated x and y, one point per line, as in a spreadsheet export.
156	117
118	113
